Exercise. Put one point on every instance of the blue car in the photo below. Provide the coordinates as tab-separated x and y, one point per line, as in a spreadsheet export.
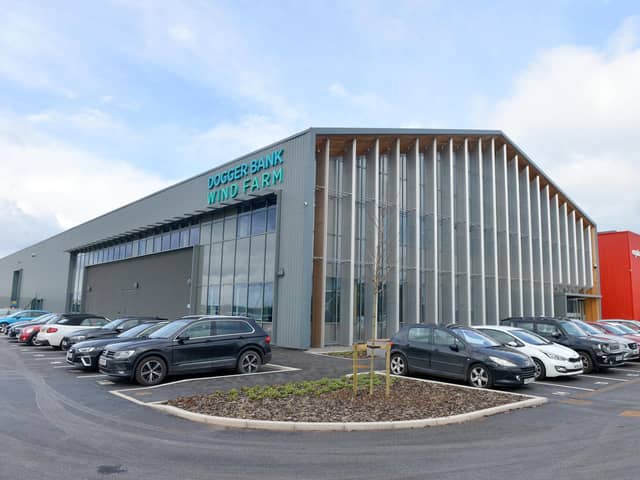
20	316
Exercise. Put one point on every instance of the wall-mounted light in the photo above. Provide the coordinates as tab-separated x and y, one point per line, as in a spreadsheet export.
280	272
136	285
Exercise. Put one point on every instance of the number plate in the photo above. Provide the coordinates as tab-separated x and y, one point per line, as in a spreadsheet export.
102	362
529	380
577	365
619	358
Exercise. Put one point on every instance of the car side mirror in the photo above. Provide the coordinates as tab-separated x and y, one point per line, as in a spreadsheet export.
119	329
454	347
556	335
182	338
512	344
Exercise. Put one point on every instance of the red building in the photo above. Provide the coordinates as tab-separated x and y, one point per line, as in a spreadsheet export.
620	274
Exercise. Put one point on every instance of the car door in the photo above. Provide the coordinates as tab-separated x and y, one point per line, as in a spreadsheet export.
419	347
230	336
448	356
191	349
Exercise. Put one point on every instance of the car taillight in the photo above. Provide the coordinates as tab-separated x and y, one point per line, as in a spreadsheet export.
52	330
268	339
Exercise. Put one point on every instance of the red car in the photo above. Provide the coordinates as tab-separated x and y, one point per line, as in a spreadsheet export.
618	329
632	324
29	334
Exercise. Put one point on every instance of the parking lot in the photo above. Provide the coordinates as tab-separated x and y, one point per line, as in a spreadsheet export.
56	421
293	365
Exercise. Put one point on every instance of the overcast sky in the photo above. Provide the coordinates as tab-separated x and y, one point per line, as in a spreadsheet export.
104	102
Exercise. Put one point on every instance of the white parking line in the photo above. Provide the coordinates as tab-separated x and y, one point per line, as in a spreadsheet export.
55	362
563	386
66	366
282	369
91	376
626	370
605	378
105	382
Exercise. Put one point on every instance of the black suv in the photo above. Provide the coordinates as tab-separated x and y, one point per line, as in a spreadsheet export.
595	353
458	352
111	329
189	345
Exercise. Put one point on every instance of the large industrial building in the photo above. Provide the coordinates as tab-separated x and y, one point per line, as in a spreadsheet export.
330	234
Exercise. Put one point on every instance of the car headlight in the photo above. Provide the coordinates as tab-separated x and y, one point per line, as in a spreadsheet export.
502	362
79	338
604	347
124	354
86	349
553	356
28	330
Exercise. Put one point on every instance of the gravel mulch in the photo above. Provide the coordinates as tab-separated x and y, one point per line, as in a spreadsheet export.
409	400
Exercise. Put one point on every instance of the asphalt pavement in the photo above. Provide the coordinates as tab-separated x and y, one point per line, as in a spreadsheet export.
60	423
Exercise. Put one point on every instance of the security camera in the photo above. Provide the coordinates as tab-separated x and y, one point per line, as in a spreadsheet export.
595	266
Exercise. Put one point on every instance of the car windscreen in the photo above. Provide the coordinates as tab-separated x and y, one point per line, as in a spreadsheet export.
571	328
150	328
43	318
15	314
623	328
588	328
133	332
169	329
617	329
475	338
113	324
528	337
53	319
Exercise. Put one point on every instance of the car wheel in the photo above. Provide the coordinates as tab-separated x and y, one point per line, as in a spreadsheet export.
587	363
3	327
398	364
249	362
541	372
151	371
34	341
479	376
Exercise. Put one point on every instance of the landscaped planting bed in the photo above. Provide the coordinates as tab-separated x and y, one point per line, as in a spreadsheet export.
332	400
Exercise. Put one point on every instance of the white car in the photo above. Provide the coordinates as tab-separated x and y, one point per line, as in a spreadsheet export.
68	323
551	359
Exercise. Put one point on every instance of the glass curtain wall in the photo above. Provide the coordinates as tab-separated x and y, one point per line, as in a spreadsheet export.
405	242
334	251
364	257
237	262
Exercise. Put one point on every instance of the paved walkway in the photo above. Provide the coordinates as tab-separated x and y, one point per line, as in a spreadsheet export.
308	366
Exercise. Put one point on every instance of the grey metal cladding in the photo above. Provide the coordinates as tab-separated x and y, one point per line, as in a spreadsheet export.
46	264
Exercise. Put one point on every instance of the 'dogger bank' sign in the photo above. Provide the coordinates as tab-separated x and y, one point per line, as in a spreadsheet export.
246	177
